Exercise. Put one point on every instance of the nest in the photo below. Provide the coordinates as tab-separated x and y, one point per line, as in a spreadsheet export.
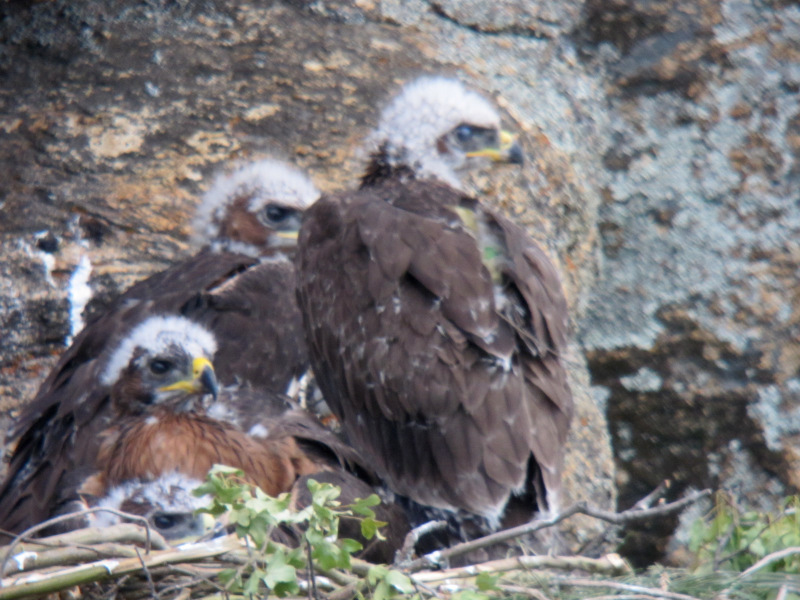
129	561
132	561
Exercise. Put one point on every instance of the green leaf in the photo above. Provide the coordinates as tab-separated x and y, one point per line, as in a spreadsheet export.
376	573
487	581
362	506
280	576
350	546
382	591
227	576
297	558
329	556
252	586
323	493
369	528
400	581
280	573
757	548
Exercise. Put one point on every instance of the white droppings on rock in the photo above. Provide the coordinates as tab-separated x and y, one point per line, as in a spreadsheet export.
644	380
78	293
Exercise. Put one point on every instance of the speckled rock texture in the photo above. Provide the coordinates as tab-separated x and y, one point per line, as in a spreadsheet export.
664	144
692	328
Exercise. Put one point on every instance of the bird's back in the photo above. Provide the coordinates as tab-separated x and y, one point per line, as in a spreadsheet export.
447	375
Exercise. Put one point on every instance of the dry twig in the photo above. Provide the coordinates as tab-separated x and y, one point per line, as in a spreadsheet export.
25	536
768	560
525	591
37	584
627	516
627	587
147	574
656	494
611	564
403	555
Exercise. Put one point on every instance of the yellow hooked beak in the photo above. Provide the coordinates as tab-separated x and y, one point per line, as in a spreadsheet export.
509	150
203	380
287	235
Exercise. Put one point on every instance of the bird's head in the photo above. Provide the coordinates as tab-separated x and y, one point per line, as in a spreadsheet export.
254	209
436	127
167	503
165	361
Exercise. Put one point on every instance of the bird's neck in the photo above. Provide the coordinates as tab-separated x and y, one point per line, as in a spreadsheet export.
382	167
386	163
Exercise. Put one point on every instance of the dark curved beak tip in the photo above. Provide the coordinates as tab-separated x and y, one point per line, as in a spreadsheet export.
209	382
515	155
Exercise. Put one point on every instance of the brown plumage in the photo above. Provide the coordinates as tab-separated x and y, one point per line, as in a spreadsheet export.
240	288
187	443
436	326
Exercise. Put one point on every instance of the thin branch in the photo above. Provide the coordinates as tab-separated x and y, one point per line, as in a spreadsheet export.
657	493
147	575
312	588
405	553
627	587
623	597
643	503
721	543
69	555
322	583
349	591
768	560
611	564
628	516
83	544
525	591
338	577
26	535
633	515
37	584
418	585
199	577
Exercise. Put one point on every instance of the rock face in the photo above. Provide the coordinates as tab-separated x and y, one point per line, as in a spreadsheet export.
693	325
664	141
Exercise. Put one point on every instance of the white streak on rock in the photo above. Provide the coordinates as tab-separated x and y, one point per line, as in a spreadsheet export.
79	293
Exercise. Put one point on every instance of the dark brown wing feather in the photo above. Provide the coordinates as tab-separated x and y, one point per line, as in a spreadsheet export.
261	344
410	350
257	324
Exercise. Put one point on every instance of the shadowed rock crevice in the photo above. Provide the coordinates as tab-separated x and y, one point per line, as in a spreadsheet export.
682	410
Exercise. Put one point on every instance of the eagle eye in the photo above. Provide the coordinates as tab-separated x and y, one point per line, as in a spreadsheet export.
276	213
464	133
159	367
166	521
